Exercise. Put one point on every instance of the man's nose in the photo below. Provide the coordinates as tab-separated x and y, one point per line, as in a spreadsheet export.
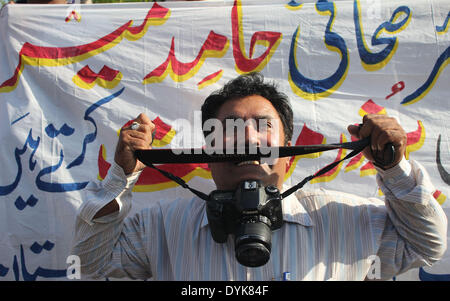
252	134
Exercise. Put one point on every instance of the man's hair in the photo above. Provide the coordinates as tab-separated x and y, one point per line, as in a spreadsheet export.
247	85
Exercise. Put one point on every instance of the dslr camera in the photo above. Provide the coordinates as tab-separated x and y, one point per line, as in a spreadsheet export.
250	213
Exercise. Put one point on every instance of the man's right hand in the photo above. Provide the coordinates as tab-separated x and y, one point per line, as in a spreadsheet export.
131	140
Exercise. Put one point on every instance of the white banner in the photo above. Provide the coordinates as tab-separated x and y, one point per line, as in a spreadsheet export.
72	75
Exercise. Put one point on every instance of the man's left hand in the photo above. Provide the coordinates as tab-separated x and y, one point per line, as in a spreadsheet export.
382	129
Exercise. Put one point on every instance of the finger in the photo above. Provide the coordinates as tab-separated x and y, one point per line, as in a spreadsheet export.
374	126
379	140
367	152
137	144
385	132
138	135
369	128
146	125
146	128
387	157
366	127
136	140
374	137
384	138
127	135
144	120
353	130
144	137
398	138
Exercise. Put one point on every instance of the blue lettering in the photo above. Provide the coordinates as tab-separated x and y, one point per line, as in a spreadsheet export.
64	130
374	61
315	89
57	187
21	204
34	144
89	138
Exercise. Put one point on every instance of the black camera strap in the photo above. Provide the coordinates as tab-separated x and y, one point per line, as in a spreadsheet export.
179	181
321	172
149	157
205	155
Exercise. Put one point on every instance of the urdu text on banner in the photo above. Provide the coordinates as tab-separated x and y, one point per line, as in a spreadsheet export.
71	76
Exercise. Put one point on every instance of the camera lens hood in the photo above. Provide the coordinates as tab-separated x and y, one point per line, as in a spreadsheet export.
253	244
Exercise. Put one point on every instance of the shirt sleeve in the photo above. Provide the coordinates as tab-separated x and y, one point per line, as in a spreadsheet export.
414	233
101	244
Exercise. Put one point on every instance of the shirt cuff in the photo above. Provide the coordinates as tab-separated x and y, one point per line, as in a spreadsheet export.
404	181
116	185
394	175
116	181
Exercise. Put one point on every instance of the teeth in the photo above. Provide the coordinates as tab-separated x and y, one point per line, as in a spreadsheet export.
247	163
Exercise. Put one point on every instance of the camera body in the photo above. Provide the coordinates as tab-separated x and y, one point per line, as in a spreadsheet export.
251	213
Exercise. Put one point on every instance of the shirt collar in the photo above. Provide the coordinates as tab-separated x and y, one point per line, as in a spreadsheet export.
293	211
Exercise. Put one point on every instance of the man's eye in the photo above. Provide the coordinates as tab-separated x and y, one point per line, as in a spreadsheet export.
264	125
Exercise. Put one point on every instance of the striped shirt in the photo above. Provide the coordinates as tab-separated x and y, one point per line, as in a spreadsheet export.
326	235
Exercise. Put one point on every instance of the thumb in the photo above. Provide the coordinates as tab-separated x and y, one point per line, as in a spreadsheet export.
353	130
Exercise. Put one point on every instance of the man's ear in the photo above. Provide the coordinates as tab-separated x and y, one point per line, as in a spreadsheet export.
289	143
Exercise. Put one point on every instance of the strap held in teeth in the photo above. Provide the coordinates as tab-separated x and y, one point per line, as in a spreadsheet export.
196	155
149	157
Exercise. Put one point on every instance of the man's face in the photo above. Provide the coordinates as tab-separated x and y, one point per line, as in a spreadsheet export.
263	127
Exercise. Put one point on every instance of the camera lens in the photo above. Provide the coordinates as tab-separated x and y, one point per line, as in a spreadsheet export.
252	244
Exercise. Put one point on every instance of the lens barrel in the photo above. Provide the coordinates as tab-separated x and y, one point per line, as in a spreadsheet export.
253	243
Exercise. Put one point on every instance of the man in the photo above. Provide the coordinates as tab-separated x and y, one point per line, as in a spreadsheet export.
325	235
